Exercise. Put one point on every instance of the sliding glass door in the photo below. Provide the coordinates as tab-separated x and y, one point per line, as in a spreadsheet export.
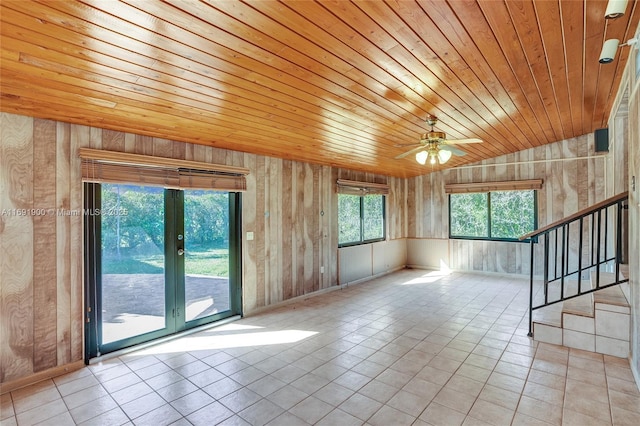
158	261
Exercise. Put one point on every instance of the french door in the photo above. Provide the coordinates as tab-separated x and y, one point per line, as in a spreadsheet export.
158	261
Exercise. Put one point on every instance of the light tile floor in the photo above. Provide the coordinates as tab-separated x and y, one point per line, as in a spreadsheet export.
410	348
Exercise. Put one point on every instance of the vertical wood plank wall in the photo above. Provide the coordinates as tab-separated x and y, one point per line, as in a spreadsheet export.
568	186
290	207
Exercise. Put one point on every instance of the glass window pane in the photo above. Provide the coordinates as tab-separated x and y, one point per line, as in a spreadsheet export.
348	218
373	217
469	215
512	213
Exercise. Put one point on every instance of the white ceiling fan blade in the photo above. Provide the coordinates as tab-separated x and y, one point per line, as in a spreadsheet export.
457	141
453	150
412	151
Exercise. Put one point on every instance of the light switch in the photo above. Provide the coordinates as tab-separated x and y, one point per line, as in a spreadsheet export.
249	236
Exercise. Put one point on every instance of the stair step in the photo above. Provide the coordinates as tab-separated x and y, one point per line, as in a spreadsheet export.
611	296
549	315
582	305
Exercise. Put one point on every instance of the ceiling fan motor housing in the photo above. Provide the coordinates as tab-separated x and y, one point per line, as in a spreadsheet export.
433	136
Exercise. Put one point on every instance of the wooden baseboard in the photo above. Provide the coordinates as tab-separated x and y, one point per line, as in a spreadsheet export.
12	385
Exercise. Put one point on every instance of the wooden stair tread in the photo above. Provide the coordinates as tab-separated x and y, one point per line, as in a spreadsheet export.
611	296
549	315
582	305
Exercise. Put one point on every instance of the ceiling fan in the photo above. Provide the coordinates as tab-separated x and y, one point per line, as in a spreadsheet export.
435	146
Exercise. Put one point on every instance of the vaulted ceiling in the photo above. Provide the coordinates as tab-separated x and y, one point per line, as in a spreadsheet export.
338	83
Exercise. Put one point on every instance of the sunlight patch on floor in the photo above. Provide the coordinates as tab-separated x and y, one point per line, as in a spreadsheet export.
224	341
428	278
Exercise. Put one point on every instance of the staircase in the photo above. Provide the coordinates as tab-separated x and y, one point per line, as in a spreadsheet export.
579	287
596	322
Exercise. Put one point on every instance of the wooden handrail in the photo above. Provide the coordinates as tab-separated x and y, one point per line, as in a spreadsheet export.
577	215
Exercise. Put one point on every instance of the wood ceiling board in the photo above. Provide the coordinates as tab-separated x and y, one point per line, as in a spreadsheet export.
336	83
446	65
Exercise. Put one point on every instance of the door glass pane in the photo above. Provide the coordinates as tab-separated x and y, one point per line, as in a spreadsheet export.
206	263
133	278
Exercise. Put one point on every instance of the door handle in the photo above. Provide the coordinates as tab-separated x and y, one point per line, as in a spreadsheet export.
180	252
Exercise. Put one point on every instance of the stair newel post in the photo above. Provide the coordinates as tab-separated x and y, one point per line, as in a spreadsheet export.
530	334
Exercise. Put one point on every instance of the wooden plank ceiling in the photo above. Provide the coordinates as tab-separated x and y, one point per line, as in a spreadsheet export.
338	83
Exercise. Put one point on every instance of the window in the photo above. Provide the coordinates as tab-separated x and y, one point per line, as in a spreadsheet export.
495	215
360	219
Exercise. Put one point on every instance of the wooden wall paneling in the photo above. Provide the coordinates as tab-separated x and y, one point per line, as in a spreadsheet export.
287	232
539	172
113	140
308	229
315	227
478	256
412	201
299	220
500	169
557	193
569	177
333	213
95	138
395	210
570	180
419	198
581	173
162	147
431	206
269	233
274	220
130	143
260	231
249	224
79	137
16	236
44	246
442	224
179	150
325	225
63	242
143	145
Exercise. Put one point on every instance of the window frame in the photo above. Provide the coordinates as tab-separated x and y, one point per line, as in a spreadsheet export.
362	241
489	237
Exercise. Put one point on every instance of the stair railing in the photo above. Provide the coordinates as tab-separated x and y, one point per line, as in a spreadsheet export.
589	241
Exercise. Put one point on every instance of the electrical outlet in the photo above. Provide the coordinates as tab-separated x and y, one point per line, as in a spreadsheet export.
322	269
249	236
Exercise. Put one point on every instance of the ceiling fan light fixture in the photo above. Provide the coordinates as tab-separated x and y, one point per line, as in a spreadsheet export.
444	156
615	9
433	158
421	157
